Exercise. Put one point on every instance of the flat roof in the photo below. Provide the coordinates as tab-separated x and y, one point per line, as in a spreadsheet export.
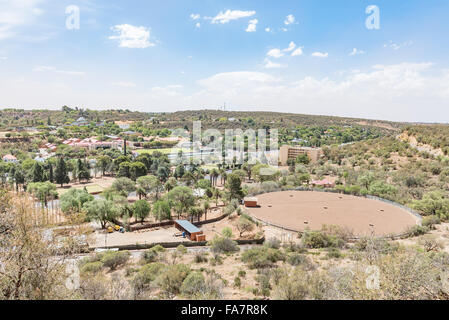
187	226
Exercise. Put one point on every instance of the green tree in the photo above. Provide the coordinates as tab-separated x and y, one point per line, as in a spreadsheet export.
61	172
181	198
137	169
234	187
123	186
141	209
161	210
43	191
37	172
74	199
101	210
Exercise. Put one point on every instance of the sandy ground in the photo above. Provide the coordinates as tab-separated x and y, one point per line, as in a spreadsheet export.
292	209
128	238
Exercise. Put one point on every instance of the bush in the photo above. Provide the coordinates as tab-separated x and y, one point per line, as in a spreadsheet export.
113	260
334	253
200	257
193	284
318	239
242	273
145	276
430	221
417	230
223	245
91	267
149	256
296	259
237	282
171	280
227	232
273	243
262	257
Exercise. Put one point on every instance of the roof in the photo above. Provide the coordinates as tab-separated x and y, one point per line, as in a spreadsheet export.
250	199
9	157
187	226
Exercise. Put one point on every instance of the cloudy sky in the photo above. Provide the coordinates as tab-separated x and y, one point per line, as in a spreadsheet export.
313	57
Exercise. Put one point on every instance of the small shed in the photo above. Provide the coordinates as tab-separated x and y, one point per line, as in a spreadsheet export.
192	232
250	202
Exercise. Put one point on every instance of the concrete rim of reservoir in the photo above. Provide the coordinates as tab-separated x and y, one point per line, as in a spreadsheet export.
299	210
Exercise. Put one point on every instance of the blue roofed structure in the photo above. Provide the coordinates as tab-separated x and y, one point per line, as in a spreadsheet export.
192	232
187	226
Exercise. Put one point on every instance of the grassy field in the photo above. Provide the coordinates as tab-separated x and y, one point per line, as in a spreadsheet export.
92	188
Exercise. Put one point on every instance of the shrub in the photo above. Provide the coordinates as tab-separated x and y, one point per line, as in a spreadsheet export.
227	232
145	276
318	239
430	221
149	256
262	257
296	259
193	284
274	243
113	259
200	257
242	273
417	230
91	267
237	282
171	280
334	253
223	245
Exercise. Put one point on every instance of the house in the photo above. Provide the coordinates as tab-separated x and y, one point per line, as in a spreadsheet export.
10	158
189	230
292	152
81	121
124	125
325	183
250	202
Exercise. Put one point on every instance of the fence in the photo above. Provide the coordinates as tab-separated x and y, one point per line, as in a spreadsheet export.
188	244
393	236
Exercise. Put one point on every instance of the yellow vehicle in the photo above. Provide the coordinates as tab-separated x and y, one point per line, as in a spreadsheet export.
110	230
117	228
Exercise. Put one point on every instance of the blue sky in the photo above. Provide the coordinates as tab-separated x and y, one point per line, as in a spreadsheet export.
313	57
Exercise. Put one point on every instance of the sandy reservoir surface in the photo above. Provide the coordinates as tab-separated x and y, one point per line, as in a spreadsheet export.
298	210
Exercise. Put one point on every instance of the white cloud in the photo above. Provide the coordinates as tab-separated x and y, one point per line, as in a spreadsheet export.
290	47
284	29
3	58
401	92
124	84
290	19
132	37
195	16
356	51
272	65
275	53
267	29
396	46
198	25
320	54
16	14
393	92
252	25
55	70
228	15
297	52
